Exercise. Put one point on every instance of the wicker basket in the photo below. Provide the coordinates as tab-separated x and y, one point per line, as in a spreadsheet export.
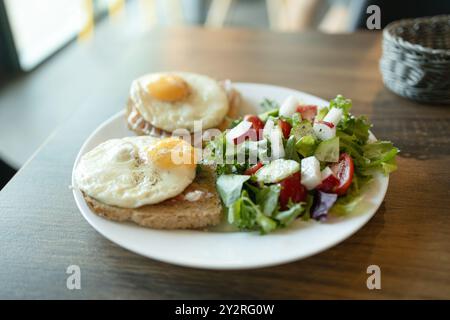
416	58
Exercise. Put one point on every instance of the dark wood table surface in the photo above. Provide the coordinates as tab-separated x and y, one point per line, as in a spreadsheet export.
42	231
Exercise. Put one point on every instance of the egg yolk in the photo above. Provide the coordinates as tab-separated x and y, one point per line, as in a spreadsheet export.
169	88
172	152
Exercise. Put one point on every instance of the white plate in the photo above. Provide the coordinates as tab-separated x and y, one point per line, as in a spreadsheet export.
230	250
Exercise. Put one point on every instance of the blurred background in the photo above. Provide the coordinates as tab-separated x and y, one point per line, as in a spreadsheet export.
42	42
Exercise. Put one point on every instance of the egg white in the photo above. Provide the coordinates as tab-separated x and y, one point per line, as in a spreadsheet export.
207	101
118	173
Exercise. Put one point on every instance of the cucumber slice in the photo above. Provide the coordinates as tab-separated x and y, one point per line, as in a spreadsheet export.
266	115
306	146
304	128
328	150
277	170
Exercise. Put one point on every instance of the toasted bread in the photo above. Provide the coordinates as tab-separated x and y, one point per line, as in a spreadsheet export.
198	206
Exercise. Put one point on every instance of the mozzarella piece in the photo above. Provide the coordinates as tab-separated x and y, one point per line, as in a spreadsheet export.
326	173
311	175
277	170
276	144
289	106
333	116
323	131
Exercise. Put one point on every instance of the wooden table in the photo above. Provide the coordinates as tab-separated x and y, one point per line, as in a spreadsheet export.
42	231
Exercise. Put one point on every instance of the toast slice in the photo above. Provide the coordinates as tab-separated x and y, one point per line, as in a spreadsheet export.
198	206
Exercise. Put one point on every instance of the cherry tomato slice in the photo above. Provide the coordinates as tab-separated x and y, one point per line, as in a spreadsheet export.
252	170
343	170
292	189
308	112
328	184
285	128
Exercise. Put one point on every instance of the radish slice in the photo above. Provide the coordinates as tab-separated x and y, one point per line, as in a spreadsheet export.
324	130
268	127
333	116
289	106
240	130
276	143
326	173
310	172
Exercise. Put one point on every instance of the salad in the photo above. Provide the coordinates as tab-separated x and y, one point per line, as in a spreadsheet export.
296	161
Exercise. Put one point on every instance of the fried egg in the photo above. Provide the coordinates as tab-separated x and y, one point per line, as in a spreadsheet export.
136	171
174	100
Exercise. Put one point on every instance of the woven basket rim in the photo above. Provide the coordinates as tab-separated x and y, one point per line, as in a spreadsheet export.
389	35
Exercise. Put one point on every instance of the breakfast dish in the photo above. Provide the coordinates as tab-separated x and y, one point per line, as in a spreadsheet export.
135	179
187	200
161	103
297	161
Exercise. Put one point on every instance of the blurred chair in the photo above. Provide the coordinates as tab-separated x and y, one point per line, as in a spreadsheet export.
283	15
291	15
331	16
396	10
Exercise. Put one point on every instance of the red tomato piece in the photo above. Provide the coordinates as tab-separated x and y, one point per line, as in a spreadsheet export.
252	170
343	170
292	189
257	124
308	112
285	128
254	133
328	184
328	124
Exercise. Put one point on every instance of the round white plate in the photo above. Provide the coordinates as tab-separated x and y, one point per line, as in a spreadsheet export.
230	250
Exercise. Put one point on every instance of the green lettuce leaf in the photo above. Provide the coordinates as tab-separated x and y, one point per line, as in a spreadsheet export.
345	205
382	157
269	104
358	127
267	198
288	216
342	103
322	113
229	187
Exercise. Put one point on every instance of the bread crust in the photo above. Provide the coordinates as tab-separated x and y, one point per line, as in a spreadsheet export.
180	212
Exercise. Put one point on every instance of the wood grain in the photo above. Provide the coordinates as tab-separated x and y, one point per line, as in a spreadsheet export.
42	232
